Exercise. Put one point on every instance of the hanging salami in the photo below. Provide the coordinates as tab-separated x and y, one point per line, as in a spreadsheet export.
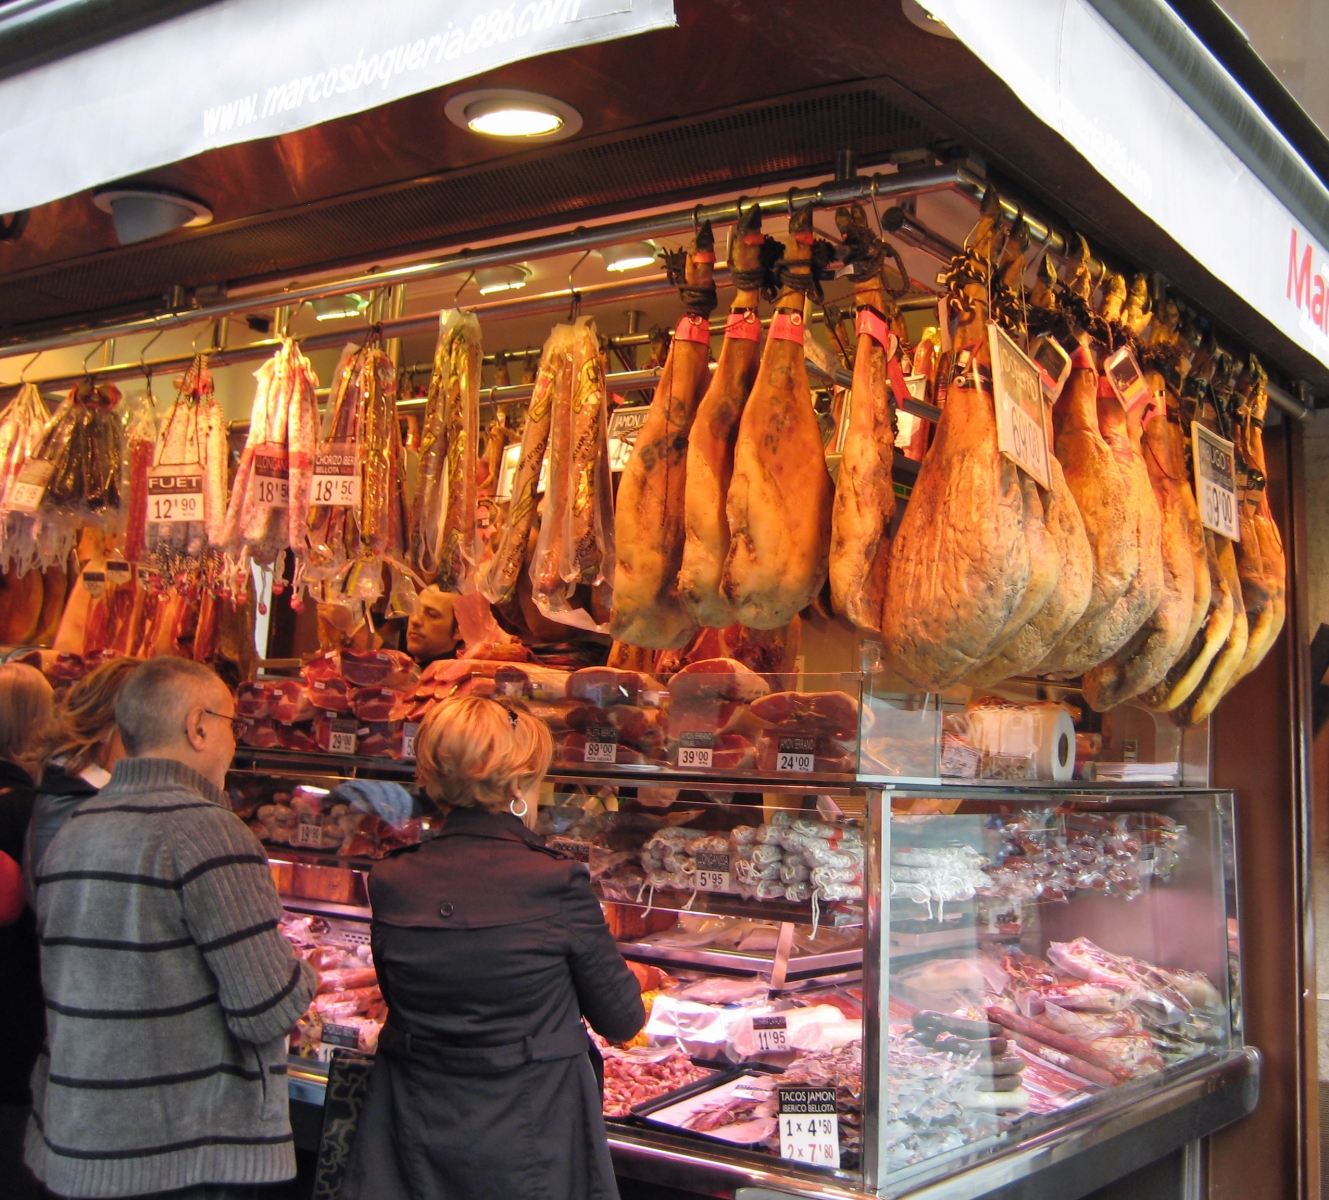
21	426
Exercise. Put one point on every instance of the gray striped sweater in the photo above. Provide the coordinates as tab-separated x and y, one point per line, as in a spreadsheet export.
168	994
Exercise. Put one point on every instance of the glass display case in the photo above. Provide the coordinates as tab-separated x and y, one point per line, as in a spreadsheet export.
851	990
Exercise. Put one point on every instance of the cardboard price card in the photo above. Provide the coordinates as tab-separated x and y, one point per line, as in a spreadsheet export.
770	1033
26	492
809	1126
271	483
713	872
175	493
1215	482
601	744
796	754
695	749
1023	429
624	425
337	476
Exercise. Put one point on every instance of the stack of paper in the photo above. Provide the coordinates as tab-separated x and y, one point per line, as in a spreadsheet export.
1136	772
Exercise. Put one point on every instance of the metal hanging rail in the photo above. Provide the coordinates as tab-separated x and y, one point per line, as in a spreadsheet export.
832	194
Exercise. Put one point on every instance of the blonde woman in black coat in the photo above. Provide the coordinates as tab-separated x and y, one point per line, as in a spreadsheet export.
490	949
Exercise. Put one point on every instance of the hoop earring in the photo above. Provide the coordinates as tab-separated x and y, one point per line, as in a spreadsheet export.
525	808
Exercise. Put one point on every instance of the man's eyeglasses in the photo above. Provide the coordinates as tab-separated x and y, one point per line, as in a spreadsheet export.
238	724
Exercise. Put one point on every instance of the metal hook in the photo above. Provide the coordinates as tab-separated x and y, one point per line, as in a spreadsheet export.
99	346
696	219
575	296
457	294
208	328
876	212
23	374
143	357
789	201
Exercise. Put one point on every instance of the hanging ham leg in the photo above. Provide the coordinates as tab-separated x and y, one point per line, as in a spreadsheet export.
961	564
649	525
710	464
1146	658
1261	562
1104	499
865	489
779	502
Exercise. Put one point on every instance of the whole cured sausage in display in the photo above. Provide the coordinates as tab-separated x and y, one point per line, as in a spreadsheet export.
780	496
649	526
710	464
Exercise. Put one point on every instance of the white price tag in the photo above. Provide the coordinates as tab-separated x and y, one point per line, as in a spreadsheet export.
601	744
694	749
408	732
342	737
309	834
118	572
28	489
336	476
796	755
1022	421
271	486
713	872
175	493
770	1034
1215	482
809	1126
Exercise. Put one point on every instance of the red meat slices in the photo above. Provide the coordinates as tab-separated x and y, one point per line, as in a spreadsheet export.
640	727
729	752
532	682
290	703
296	737
254	700
375	703
572	749
714	716
322	666
261	734
330	695
717	678
828	755
835	714
378	668
606	686
383	739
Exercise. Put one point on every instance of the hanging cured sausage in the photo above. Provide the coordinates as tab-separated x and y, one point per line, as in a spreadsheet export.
710	462
780	496
443	533
499	582
270	499
649	526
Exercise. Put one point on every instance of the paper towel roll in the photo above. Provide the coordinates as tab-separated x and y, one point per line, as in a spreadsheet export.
1043	733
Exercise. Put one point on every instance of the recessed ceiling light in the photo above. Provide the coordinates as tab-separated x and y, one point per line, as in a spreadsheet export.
334	308
925	20
139	213
628	256
502	279
523	116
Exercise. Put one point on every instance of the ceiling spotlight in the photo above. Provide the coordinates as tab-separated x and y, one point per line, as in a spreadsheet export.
139	213
501	279
629	256
503	113
925	20
335	308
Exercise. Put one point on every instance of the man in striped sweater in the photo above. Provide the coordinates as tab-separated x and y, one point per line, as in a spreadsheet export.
169	989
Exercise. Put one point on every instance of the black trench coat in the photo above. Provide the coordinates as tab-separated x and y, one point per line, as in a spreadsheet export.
489	950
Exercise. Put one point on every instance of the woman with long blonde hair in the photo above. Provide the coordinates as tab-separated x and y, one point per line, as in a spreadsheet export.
490	949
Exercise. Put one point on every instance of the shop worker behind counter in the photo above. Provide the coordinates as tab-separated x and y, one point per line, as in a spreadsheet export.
168	987
489	950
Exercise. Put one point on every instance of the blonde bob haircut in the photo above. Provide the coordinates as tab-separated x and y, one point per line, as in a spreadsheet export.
85	721
472	752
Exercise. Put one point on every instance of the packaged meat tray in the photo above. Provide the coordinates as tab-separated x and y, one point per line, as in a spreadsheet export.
738	1109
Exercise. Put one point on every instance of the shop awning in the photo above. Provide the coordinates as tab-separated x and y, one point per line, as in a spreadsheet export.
239	70
1137	94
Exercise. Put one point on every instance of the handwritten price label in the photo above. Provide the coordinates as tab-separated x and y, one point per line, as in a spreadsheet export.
1215	482
337	476
175	494
25	496
695	749
271	487
796	755
1022	425
809	1126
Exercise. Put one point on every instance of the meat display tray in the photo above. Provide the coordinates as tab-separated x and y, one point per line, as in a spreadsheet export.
650	1114
738	962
